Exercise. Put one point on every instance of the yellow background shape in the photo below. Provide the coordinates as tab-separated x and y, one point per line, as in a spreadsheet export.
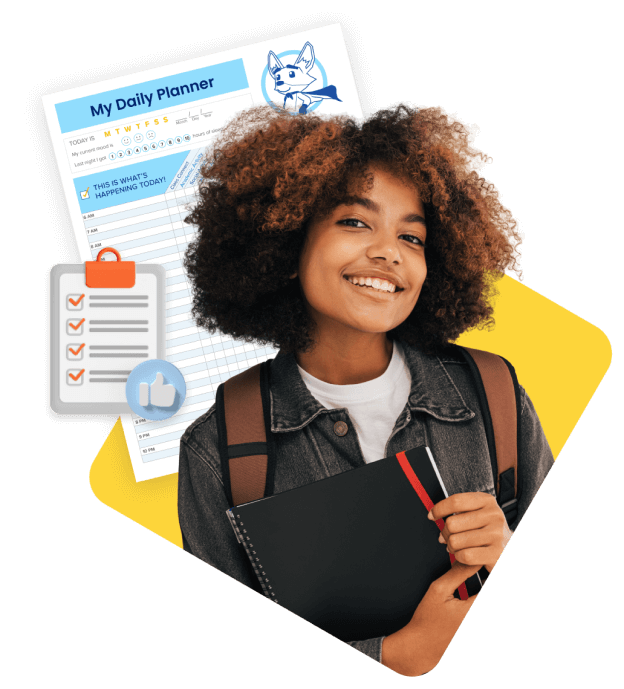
560	359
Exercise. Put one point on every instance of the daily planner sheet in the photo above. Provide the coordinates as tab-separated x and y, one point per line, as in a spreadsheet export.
129	152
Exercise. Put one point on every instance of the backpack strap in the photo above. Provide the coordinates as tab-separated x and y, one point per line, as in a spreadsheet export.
243	415
499	396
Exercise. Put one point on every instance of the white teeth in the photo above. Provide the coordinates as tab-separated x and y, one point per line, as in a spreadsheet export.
374	283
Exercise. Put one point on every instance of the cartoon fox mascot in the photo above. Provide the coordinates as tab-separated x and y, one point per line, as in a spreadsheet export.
292	81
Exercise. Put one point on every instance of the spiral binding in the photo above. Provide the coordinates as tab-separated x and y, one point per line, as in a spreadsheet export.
245	541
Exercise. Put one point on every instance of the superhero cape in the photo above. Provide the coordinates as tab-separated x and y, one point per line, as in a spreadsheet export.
326	92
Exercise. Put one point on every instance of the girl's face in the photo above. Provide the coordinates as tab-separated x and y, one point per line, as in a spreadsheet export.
363	266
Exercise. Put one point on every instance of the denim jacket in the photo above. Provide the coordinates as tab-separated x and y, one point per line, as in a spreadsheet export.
442	412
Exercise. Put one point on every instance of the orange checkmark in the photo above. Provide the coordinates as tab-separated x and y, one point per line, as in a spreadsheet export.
75	327
75	303
76	352
75	377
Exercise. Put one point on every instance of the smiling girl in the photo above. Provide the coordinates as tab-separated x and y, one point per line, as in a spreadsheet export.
361	251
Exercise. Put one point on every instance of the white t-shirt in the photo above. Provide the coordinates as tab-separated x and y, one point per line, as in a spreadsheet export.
373	406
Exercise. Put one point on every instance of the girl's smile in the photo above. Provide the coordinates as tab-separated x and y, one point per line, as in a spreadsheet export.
373	292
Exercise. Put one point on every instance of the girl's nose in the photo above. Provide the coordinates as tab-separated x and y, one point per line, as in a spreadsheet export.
384	245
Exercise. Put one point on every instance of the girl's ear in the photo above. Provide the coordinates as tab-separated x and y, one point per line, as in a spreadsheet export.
294	275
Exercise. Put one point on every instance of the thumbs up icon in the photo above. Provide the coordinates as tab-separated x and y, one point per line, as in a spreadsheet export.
155	390
162	394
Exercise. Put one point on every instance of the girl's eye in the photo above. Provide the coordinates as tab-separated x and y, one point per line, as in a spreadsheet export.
413	239
351	220
413	236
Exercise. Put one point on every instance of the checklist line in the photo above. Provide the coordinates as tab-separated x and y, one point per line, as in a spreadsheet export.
109	373
108	380
128	355
118	330
118	297
118	347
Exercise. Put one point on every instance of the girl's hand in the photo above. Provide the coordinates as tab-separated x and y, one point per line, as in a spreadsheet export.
475	530
418	647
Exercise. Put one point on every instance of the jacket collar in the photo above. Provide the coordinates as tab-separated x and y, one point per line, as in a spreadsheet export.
432	391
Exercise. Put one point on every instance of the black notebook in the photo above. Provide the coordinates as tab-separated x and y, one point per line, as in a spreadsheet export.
354	553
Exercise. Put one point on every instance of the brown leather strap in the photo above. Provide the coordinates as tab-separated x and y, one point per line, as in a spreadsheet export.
501	396
244	421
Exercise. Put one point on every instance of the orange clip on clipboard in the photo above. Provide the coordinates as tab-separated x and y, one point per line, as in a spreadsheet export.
117	273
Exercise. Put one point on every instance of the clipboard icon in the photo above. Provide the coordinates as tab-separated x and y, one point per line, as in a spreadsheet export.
106	317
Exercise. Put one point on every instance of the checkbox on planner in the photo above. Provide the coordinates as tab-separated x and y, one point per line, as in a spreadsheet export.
85	194
75	351
75	302
74	326
75	376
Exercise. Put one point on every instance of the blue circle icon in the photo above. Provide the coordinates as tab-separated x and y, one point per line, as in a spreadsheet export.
155	389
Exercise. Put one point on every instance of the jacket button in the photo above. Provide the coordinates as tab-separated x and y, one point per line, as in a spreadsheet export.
340	428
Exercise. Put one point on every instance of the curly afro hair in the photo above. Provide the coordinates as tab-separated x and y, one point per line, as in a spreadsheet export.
269	173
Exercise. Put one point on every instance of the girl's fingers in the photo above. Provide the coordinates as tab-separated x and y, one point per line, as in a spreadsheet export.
477	556
467	521
489	517
470	539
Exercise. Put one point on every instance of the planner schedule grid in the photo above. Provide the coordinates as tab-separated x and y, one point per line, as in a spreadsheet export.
150	229
153	230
